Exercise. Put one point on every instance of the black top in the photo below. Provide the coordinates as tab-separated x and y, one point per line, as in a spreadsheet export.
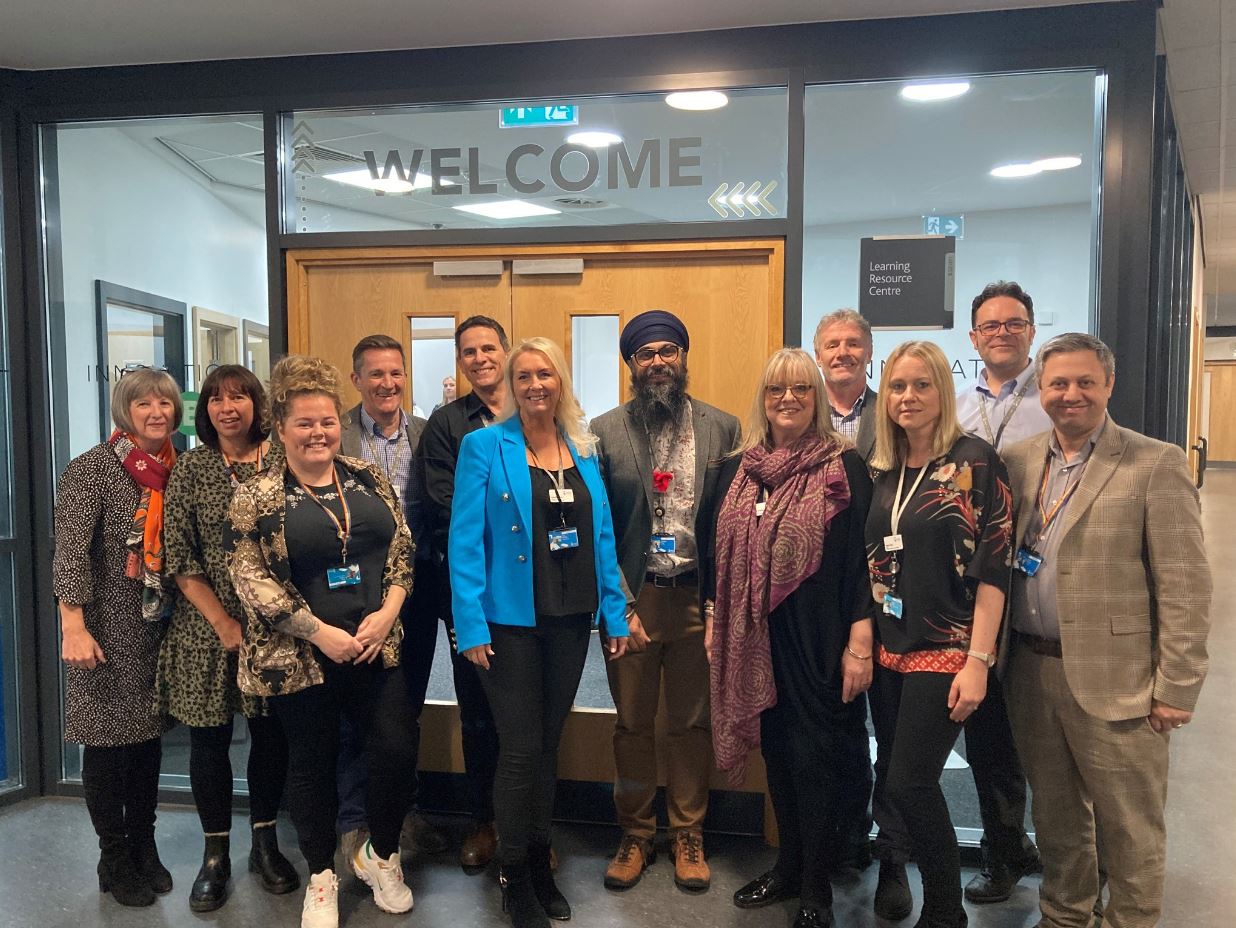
957	532
313	548
438	452
564	582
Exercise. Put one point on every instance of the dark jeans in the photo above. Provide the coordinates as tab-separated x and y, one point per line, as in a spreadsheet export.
210	772
810	763
122	790
998	779
375	702
915	707
420	636
892	842
531	683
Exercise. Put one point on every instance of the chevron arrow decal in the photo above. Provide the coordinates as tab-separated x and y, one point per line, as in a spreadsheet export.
735	202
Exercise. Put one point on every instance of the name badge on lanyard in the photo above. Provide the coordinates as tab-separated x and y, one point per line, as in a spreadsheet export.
663	543
563	496
347	575
893	606
563	539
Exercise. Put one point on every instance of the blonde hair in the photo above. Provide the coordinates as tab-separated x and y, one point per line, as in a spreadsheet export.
298	375
891	445
789	366
134	385
569	414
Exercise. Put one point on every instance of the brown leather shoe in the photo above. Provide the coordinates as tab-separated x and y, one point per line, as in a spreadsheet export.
478	848
690	869
633	857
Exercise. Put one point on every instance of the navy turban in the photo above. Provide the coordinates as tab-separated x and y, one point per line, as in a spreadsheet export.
655	325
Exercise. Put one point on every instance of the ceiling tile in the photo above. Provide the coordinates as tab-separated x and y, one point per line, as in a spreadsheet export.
1197	105
1203	182
1202	161
1191	22
1200	135
1194	67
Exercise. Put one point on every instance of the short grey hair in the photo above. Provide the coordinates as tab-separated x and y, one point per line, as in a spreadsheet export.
838	317
139	383
1075	341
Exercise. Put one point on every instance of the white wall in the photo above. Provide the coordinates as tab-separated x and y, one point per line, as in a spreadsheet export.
131	218
1045	249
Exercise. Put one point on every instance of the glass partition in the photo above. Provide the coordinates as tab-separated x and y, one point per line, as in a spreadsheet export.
432	362
10	734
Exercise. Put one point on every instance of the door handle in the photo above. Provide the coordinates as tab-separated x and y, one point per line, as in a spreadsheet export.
1201	448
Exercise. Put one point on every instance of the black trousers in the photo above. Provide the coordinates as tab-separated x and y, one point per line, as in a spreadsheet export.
810	763
531	683
998	779
853	825
121	784
915	707
892	842
375	702
210	772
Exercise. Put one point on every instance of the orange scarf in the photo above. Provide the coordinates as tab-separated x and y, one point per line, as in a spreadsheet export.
145	541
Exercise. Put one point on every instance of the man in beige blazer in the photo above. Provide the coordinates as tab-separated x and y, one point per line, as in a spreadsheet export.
1106	638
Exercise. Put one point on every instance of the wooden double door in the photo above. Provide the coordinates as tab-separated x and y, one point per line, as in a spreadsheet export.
729	294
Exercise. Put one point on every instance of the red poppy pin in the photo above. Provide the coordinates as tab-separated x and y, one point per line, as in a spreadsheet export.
661	479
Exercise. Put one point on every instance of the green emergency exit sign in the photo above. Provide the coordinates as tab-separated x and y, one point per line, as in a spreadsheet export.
533	116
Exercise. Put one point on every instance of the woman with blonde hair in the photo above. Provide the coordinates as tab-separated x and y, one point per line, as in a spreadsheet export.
789	624
533	568
320	559
938	543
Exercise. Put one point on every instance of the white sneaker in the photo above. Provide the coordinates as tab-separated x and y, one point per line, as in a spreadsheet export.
321	901
385	878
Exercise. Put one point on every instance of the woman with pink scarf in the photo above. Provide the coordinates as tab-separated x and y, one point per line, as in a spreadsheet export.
789	630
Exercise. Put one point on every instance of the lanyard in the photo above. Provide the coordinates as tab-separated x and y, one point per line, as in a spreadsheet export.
1046	517
559	481
1017	398
380	459
342	529
899	504
229	466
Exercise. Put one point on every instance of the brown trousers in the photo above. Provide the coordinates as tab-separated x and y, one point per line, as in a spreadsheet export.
1099	793
675	660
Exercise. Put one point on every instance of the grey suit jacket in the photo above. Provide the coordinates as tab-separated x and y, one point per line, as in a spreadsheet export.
626	465
865	442
1133	581
350	444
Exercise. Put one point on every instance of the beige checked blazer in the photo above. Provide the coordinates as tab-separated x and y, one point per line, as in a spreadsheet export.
1133	582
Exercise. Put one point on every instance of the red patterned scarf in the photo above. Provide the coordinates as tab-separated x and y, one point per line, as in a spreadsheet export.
759	563
145	541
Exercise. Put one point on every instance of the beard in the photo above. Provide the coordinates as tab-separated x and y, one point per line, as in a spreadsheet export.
659	404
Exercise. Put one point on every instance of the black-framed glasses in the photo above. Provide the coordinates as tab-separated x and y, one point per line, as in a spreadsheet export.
667	353
1012	326
777	390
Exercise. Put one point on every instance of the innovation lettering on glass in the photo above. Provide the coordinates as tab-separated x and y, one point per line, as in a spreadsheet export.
530	117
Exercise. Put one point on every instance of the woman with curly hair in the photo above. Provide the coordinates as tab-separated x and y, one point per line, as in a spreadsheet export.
321	564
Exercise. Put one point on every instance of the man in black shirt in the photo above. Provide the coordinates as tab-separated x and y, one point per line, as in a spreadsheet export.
480	349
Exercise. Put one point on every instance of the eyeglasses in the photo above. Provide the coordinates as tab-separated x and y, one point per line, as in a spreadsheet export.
1012	326
667	353
777	390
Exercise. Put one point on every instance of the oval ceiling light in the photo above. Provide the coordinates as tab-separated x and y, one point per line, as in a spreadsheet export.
934	91
592	138
697	100
1062	163
1017	169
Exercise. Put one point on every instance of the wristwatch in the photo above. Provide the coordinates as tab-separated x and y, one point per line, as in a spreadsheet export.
988	659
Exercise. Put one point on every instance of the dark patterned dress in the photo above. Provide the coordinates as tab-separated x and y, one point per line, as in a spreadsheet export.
196	681
114	703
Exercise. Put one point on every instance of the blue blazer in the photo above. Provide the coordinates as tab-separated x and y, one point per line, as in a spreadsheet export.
490	543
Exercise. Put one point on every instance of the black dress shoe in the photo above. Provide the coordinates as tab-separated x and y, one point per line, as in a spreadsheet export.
893	901
765	889
813	918
996	881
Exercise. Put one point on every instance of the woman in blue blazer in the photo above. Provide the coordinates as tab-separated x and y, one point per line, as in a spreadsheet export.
533	568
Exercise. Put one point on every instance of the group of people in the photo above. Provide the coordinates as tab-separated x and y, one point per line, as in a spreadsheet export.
1006	561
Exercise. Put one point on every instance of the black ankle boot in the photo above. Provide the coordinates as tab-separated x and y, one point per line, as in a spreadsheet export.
519	898
118	875
547	892
276	871
146	859
210	887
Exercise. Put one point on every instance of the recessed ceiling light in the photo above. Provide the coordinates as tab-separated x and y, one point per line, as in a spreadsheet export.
508	209
935	90
594	138
1058	164
697	100
1017	169
362	178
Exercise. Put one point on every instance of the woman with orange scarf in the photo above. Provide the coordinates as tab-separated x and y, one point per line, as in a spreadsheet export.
113	594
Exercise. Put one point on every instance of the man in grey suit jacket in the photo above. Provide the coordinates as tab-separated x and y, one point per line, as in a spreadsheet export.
378	430
660	457
1106	641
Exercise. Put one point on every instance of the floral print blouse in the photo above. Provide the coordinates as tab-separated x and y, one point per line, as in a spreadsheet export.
957	532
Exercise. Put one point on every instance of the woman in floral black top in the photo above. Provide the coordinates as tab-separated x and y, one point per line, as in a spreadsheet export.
939	553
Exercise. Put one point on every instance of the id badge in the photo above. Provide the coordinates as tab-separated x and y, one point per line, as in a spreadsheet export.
893	542
347	575
563	539
663	543
759	509
893	605
568	495
1028	561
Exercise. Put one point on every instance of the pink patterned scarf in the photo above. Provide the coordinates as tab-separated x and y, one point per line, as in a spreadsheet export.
759	563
